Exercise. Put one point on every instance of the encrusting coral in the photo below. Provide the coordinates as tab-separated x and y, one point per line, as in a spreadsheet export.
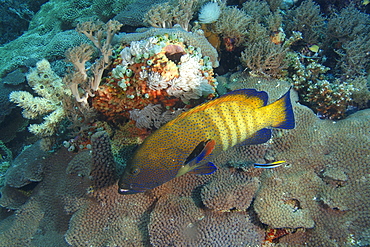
162	70
50	87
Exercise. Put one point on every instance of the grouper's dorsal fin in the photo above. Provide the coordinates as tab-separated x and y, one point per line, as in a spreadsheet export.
251	97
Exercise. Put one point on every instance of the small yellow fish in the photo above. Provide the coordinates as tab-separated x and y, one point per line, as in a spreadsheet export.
269	165
314	48
365	2
188	142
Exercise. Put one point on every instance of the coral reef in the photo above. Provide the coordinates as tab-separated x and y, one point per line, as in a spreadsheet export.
190	38
27	167
101	36
348	33
329	99
133	14
68	197
15	17
310	197
49	33
162	70
209	12
229	191
6	106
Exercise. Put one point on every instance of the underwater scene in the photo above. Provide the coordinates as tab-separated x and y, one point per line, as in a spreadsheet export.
185	123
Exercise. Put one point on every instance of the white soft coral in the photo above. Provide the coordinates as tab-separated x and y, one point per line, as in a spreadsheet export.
209	12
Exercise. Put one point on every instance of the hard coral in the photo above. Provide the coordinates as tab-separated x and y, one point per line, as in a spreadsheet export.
229	191
313	194
182	229
287	208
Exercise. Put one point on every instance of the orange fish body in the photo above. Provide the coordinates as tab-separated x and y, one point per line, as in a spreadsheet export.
240	116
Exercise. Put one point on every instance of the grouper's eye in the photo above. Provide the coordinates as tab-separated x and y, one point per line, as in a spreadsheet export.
135	171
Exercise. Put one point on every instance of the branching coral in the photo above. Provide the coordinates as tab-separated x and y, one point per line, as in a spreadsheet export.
51	89
264	59
168	14
354	57
308	20
101	35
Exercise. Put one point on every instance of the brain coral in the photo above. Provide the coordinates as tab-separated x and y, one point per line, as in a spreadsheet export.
229	190
186	224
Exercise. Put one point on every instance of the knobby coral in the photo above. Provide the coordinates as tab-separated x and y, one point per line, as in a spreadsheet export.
50	87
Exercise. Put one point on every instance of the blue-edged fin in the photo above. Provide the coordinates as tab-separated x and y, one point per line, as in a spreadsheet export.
207	150
282	112
259	137
269	165
193	163
204	169
202	150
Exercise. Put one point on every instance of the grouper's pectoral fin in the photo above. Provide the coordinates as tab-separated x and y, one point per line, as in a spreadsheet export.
193	163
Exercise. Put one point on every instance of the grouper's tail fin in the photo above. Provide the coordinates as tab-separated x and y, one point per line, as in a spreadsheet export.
281	112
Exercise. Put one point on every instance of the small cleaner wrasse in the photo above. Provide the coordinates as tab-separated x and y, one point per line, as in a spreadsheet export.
186	144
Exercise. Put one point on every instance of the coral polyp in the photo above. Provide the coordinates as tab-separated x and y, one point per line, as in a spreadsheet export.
158	70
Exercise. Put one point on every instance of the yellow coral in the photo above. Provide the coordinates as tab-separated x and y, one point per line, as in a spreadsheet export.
51	89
